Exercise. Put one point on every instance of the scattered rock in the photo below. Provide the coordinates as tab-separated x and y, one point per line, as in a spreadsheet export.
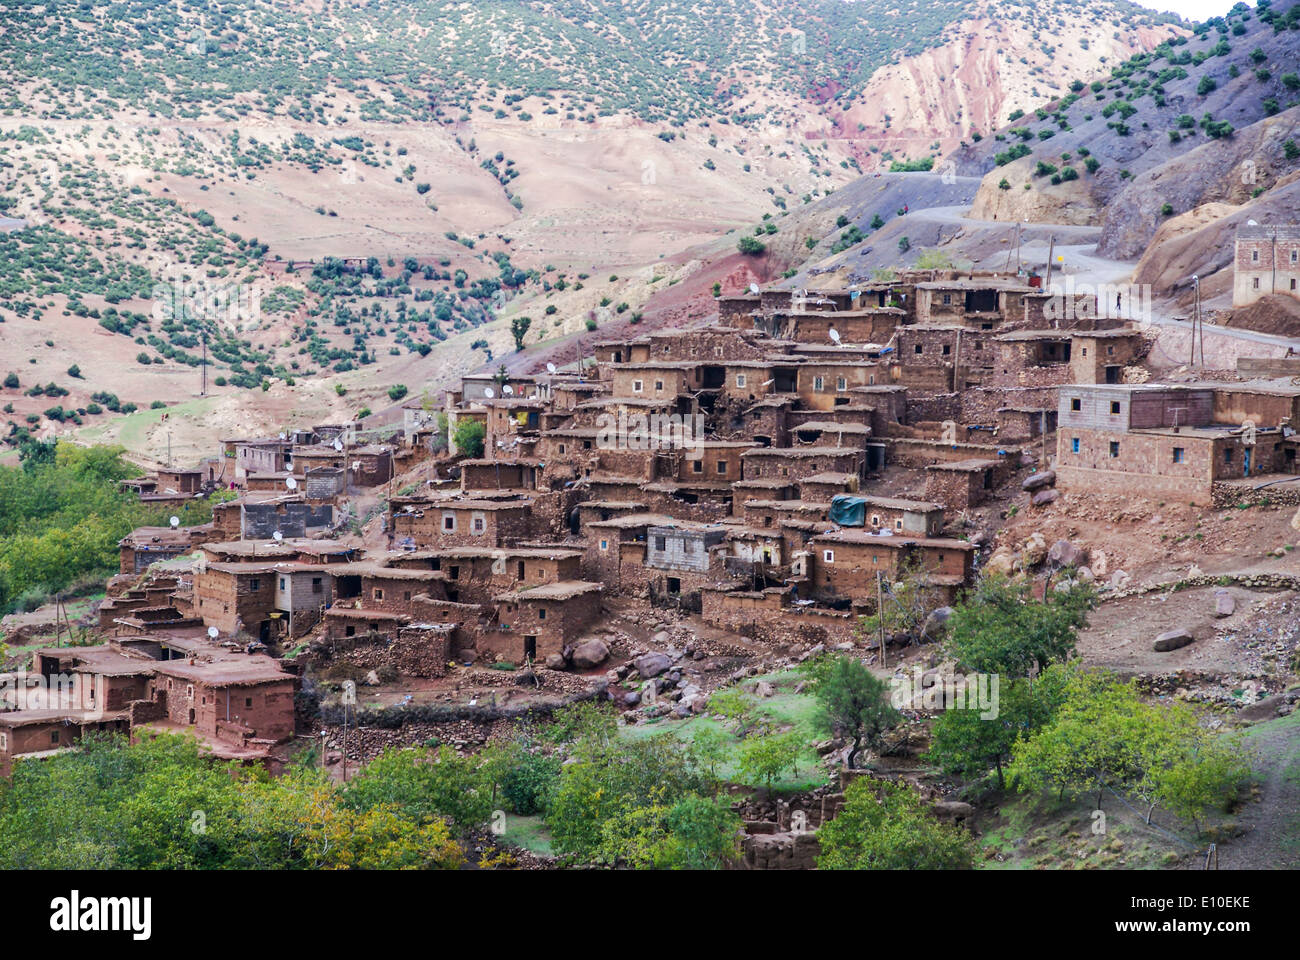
764	689
554	661
937	622
1224	605
1172	640
590	653
1043	497
652	664
1066	554
1037	481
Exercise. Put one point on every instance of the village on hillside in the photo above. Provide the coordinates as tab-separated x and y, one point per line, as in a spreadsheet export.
687	510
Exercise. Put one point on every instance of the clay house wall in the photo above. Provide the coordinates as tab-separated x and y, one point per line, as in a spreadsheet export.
1101	357
964	483
737	310
211	698
451	523
533	624
655	380
822	385
1266	261
794	464
1033	359
231	596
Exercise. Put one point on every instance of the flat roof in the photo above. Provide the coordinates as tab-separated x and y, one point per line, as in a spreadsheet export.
801	451
227	673
862	536
560	590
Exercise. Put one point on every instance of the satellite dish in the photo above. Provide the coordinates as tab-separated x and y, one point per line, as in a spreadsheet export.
753	288
291	483
282	436
1252	223
507	390
175	521
338	444
835	335
277	536
487	392
213	632
550	368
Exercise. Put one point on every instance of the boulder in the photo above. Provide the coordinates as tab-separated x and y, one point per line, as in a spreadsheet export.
1034	550
1085	575
652	664
554	661
1066	554
764	689
1119	579
1224	605
937	622
1037	481
1043	497
631	699
371	679
1172	640
1002	561
590	653
952	810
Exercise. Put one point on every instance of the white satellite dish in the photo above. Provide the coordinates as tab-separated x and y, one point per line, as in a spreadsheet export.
338	444
277	536
213	632
487	392
282	435
753	288
550	368
507	390
835	335
175	521
291	483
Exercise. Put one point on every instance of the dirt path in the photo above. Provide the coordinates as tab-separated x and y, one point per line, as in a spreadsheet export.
1272	838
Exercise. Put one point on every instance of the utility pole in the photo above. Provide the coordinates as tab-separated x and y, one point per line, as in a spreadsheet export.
880	618
203	390
1051	250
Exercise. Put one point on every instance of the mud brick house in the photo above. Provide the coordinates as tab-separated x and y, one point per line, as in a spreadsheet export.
288	516
1267	260
962	484
844	563
509	418
535	622
249	596
660	380
830	433
146	545
34	734
1100	356
797	463
499	474
324	483
262	456
455	416
1033	358
982	302
239	704
771	488
1021	424
766	421
821	487
917	518
486	386
373	586
823	384
616	550
1165	441
738	310
370	466
312	456
477	574
451	523
771	514
874	325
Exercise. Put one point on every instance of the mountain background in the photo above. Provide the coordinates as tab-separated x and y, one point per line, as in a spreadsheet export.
589	165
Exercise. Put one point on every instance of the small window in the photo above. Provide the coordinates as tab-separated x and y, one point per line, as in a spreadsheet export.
1110	351
946	349
740	380
1114	448
1254	283
919	349
898	524
637	386
406	595
54	736
479	523
661	544
697	466
947	299
604	544
659	385
449	521
1076	403
841	384
722	467
317	585
1114	407
1074	444
248	701
875	520
541	613
379	594
255	583
819	383
828	556
1179	456
561	448
1254	258
283	584
1227	455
